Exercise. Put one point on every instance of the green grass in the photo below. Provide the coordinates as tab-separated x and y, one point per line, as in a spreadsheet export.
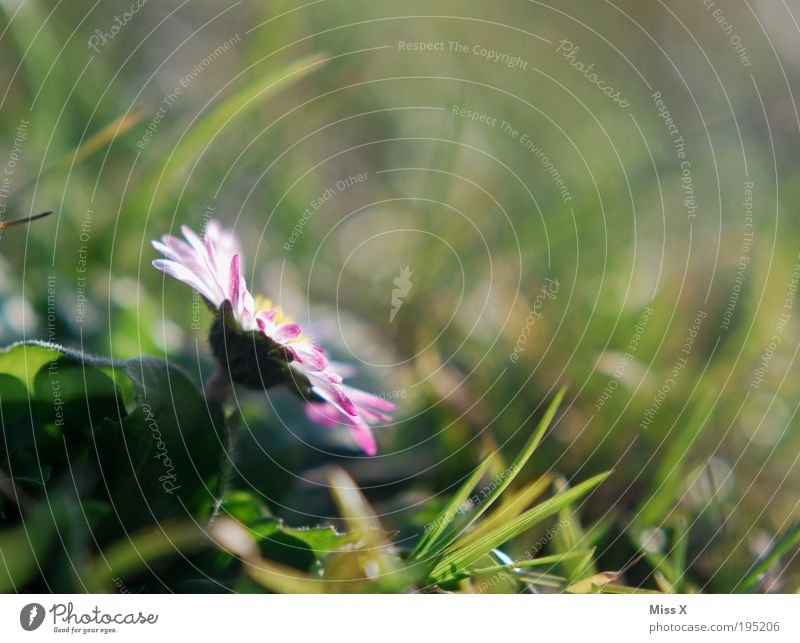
492	457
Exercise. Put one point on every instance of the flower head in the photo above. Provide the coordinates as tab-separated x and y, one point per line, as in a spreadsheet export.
258	345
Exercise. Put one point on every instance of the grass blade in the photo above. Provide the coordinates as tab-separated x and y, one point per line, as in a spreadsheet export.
789	539
10	223
680	544
353	507
592	584
542	561
569	537
506	478
282	579
469	549
663	583
104	137
450	510
90	146
599	530
620	589
523	457
204	131
515	505
135	552
669	479
374	552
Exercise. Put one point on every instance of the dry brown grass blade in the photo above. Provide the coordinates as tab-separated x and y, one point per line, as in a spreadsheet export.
10	223
110	132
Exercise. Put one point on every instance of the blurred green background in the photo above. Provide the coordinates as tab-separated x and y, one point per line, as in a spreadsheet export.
494	165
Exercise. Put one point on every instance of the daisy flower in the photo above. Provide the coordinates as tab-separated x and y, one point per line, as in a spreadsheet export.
255	344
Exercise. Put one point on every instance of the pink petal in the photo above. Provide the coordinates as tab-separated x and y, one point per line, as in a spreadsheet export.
210	252
329	416
362	398
179	251
334	394
271	314
262	321
224	241
364	438
285	332
193	239
184	274
234	289
209	266
310	355
373	417
324	414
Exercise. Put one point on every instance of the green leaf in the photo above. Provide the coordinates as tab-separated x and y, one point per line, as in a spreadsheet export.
160	461
50	399
24	359
75	395
321	540
25	549
244	506
298	548
155	463
236	539
469	549
15	414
